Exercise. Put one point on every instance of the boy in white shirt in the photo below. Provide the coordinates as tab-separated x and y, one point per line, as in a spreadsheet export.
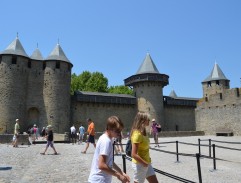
103	167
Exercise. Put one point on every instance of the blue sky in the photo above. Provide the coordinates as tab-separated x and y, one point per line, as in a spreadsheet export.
184	37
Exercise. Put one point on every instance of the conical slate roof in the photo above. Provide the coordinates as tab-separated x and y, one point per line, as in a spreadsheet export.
173	94
216	74
147	66
37	55
57	54
15	48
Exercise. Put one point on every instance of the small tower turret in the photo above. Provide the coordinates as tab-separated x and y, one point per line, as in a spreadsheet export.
216	82
147	85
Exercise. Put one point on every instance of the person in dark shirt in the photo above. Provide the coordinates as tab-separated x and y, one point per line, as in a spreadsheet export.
50	138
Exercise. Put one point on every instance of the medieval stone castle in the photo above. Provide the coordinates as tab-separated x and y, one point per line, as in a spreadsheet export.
37	91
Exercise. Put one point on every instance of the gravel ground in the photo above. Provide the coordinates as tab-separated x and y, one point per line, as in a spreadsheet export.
25	164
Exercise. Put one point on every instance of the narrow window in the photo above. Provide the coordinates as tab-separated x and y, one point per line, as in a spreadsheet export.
44	65
29	64
14	60
217	82
237	90
221	96
209	83
0	59
57	65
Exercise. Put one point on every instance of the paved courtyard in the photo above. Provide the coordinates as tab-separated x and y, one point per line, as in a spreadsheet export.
25	164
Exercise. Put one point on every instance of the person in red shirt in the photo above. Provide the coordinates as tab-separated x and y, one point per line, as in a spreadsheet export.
91	135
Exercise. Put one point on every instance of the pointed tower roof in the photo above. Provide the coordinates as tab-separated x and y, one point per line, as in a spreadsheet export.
37	55
58	54
173	94
147	72
147	66
15	48
216	74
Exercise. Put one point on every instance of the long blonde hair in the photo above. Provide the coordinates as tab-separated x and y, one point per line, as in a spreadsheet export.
139	122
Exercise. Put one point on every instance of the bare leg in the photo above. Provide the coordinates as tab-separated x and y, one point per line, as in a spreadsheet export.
55	152
87	146
152	179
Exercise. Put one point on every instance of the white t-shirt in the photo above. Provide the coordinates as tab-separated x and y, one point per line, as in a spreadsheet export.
73	130
104	146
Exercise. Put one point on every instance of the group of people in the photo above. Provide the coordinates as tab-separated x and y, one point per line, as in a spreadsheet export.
74	134
103	167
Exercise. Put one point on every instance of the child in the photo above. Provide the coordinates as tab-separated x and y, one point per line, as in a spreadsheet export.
103	167
50	138
141	161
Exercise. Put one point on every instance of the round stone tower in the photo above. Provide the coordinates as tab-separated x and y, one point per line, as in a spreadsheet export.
56	89
147	85
216	82
13	86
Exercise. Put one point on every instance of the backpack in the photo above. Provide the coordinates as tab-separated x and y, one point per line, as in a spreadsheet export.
128	148
159	129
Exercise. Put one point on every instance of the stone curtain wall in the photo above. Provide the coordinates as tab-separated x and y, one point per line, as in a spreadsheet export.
182	116
220	113
214	119
100	112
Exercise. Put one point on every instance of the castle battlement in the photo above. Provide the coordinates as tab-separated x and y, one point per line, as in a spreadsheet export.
227	97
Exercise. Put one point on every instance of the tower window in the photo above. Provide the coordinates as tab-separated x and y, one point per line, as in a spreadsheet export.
221	96
58	65
0	59
14	60
217	82
44	65
237	90
209	83
29	64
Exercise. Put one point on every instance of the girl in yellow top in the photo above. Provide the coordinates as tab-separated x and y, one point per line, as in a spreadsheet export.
141	161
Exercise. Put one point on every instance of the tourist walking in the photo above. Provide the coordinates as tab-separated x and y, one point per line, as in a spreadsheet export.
91	135
73	134
81	133
103	166
119	145
154	131
141	161
16	133
50	139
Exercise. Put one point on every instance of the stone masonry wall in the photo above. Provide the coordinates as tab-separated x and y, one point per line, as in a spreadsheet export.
150	99
182	116
100	112
13	84
56	92
220	114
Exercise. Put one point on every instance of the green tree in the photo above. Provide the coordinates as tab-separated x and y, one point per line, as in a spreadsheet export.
75	84
97	83
121	89
88	81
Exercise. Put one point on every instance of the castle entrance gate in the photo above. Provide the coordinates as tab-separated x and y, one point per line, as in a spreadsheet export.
33	117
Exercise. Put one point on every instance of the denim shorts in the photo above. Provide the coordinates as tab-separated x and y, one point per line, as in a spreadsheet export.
141	172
